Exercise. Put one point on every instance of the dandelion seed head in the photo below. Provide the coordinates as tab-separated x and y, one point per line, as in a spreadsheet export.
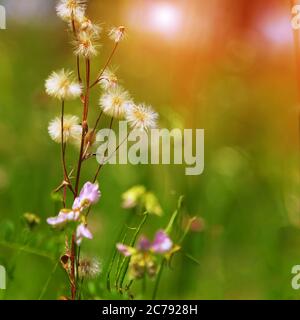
86	25
141	117
72	131
115	102
85	45
68	9
61	85
108	80
89	268
117	34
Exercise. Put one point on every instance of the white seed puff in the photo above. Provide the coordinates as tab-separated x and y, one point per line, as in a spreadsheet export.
85	44
117	34
141	117
61	85
108	80
72	131
84	24
115	102
89	268
68	9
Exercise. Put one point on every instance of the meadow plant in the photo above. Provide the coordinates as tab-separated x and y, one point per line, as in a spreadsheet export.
141	258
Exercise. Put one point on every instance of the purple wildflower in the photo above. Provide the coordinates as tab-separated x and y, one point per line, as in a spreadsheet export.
63	217
89	195
162	243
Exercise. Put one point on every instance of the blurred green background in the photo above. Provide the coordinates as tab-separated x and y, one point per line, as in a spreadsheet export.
222	65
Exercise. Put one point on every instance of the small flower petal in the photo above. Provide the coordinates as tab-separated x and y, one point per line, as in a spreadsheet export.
143	244
82	231
89	194
162	243
125	250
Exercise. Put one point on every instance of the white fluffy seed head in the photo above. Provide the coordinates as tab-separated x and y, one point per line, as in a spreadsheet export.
89	268
86	25
108	80
117	34
68	9
85	45
60	85
72	131
142	117
115	102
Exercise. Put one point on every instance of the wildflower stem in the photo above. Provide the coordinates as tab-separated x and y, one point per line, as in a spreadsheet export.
92	134
106	64
144	285
126	261
84	131
174	216
63	150
156	285
186	230
73	280
84	124
115	254
31	251
77	58
48	281
66	179
102	164
77	263
78	69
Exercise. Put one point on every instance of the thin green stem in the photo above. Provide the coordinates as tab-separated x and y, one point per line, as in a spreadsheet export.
102	164
106	65
174	216
48	281
66	180
157	282
18	247
92	134
126	261
84	124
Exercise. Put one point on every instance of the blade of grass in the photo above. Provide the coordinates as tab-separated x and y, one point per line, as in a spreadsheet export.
48	281
126	261
156	285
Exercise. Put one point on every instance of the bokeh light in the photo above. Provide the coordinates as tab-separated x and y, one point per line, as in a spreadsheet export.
165	18
157	17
